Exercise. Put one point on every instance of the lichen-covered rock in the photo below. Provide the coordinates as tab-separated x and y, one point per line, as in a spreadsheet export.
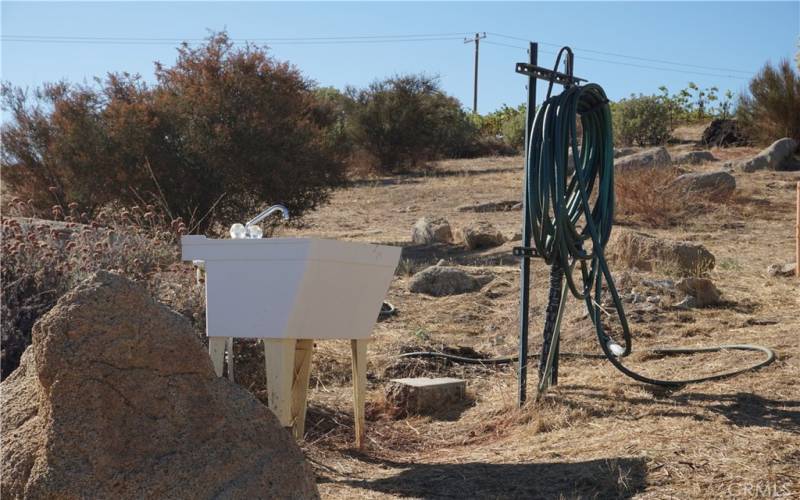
481	234
648	158
117	398
429	230
717	185
637	250
439	281
771	158
702	289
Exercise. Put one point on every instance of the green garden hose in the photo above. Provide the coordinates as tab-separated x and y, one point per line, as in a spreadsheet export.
572	211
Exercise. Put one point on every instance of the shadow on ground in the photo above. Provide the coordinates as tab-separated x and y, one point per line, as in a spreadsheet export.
740	409
605	478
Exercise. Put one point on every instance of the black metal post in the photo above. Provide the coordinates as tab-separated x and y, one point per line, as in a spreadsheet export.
525	266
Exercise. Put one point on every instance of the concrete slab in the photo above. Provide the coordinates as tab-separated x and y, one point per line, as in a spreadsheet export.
425	395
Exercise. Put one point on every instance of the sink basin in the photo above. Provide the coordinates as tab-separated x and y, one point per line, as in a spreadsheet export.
294	288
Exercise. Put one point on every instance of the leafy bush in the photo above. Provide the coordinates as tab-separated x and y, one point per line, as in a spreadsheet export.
404	121
220	133
506	124
641	120
772	109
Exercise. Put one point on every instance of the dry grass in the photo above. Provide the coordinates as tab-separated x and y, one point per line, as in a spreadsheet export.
597	434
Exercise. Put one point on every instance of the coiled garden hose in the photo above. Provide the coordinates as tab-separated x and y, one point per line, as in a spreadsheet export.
571	209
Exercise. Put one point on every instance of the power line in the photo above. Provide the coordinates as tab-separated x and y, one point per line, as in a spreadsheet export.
614	54
584	58
273	41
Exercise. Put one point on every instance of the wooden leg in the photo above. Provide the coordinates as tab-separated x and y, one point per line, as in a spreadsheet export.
279	357
216	349
229	348
359	348
303	352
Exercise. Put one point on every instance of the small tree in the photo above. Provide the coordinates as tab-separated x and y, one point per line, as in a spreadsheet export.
406	120
772	108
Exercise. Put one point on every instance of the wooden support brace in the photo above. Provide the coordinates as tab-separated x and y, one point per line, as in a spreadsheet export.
303	353
279	358
359	349
216	349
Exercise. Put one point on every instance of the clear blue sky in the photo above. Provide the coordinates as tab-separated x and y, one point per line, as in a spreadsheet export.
731	35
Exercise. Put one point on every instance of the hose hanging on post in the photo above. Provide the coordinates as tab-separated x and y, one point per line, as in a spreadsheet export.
572	211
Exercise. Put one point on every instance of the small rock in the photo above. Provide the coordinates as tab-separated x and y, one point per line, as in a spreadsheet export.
481	234
439	281
693	158
702	289
428	230
771	158
649	158
645	252
718	185
785	270
441	262
654	299
666	284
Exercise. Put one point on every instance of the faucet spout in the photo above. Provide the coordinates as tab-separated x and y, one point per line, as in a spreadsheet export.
266	213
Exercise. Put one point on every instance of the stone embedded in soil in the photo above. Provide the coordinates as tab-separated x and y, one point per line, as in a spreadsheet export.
481	234
423	395
771	158
649	158
702	289
439	281
784	270
717	185
429	230
645	252
117	398
692	158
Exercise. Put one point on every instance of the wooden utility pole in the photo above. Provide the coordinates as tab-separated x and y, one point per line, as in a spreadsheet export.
477	40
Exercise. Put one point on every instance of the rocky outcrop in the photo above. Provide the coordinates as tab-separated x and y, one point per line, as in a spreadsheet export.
772	158
649	158
429	230
692	158
619	152
117	398
439	281
724	133
718	185
645	252
481	234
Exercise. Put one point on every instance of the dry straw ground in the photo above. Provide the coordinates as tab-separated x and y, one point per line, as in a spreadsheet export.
597	434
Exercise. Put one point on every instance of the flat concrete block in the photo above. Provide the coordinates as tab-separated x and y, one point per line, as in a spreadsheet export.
424	395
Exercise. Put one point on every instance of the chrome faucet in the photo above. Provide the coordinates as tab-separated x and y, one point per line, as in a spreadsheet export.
266	213
251	230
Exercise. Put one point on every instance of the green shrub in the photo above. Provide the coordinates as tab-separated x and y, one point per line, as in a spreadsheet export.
513	129
404	121
221	133
641	120
772	108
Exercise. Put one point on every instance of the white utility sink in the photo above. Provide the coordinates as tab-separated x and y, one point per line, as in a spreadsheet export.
292	288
